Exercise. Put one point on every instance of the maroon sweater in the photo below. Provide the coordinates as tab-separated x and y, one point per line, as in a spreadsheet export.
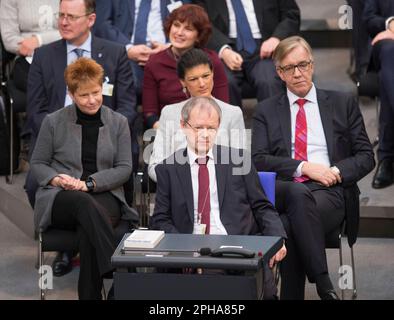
162	87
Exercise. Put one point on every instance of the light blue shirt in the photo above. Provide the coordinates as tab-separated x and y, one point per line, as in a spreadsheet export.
72	56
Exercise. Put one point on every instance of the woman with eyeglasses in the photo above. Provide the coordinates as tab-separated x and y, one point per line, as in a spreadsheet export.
186	27
196	75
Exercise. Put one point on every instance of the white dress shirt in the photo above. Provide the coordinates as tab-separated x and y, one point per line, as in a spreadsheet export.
317	146
72	56
154	30
216	226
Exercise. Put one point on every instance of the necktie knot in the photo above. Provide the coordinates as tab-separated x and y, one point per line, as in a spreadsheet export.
202	161
79	52
301	102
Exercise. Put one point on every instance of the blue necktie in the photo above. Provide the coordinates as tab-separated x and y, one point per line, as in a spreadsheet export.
141	25
245	39
79	52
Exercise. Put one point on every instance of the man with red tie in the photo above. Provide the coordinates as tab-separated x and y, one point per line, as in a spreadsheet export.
212	189
316	142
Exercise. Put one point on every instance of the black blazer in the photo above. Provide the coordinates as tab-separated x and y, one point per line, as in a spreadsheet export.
46	89
347	142
276	18
375	14
242	201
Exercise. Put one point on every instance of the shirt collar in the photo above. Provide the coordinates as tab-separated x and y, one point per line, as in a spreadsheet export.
87	45
311	96
193	156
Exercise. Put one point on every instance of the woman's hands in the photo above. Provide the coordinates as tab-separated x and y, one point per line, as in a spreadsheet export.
67	182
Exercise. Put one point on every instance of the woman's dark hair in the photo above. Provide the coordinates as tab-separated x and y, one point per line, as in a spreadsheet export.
195	16
190	59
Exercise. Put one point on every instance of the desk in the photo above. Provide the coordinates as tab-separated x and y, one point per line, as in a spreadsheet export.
157	286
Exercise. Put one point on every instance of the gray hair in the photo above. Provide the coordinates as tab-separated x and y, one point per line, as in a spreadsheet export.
203	103
287	45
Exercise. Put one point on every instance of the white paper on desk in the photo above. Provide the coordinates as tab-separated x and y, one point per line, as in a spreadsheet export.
143	239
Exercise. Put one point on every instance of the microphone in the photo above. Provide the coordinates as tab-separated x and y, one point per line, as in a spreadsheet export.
202	251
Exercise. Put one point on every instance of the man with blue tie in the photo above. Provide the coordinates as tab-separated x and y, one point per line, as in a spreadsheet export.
47	91
136	24
245	34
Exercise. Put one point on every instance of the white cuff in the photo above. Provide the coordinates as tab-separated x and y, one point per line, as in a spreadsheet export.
388	20
221	50
39	39
298	172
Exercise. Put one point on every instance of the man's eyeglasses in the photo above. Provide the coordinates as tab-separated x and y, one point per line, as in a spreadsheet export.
303	66
199	129
69	17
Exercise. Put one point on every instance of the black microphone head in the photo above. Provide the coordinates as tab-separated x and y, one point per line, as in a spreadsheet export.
205	251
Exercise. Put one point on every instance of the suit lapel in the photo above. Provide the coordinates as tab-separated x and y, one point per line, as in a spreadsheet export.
184	176
222	9
97	52
326	115
59	65
221	175
283	112
258	9
131	8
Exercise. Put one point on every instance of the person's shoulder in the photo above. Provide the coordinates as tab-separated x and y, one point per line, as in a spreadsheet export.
226	106
270	103
173	110
334	95
159	57
47	48
107	43
212	55
112	114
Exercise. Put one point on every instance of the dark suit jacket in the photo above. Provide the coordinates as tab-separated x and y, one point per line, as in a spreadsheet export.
115	19
242	201
279	18
347	142
47	88
375	14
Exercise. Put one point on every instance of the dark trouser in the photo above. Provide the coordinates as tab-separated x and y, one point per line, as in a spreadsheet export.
138	75
383	54
360	38
259	73
20	73
93	216
308	211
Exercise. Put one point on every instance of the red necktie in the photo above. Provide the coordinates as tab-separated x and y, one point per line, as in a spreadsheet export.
301	137
204	201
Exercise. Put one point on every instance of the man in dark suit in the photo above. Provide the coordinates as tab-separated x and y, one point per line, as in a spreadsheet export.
316	142
379	19
47	91
201	190
117	20
245	34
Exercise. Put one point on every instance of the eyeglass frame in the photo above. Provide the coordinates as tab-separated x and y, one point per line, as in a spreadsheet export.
294	66
198	130
70	17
